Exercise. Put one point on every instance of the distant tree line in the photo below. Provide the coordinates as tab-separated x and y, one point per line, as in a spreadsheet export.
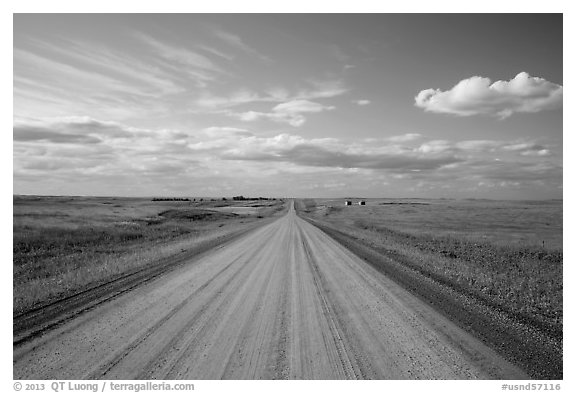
236	198
171	199
242	198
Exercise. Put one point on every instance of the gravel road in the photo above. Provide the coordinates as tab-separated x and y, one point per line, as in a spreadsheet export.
285	301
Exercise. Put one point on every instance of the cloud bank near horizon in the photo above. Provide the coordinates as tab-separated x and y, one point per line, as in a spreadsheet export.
76	149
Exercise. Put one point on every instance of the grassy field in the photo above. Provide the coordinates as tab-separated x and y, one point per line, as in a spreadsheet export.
508	254
523	223
64	244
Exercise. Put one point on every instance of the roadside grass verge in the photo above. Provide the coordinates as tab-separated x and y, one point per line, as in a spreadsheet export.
523	281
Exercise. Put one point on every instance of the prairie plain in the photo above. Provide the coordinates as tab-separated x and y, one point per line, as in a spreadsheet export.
498	222
62	245
483	277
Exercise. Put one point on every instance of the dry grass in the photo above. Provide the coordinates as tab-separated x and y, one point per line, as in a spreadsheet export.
62	245
523	223
490	250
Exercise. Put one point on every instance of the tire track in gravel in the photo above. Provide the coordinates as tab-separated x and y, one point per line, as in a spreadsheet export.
205	317
345	362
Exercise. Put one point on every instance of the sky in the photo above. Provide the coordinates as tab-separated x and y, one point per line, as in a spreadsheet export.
288	105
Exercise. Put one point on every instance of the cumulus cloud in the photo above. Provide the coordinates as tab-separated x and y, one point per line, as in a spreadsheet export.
479	96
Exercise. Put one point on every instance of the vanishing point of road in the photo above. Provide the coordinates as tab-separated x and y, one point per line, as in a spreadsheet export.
284	301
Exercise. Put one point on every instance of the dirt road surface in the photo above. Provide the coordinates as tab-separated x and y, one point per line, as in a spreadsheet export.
282	302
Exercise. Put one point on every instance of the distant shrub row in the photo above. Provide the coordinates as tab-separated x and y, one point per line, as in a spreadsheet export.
236	198
171	199
242	198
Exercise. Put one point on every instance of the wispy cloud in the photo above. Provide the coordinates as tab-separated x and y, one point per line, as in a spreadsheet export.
78	81
322	89
362	102
226	132
237	42
181	55
62	75
215	52
528	149
317	90
290	112
478	95
240	97
405	138
198	65
290	106
115	64
301	106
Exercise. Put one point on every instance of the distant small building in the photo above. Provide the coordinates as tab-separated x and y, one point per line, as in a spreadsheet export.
362	203
348	203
